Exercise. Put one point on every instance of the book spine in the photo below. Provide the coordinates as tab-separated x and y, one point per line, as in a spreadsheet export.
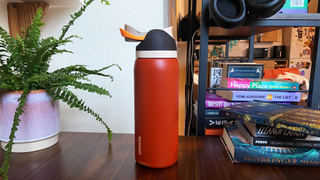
238	84
272	132
285	143
265	96
218	122
254	155
218	103
211	112
273	85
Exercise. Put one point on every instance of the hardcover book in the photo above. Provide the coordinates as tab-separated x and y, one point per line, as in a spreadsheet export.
216	102
246	83
218	122
309	142
258	130
289	117
272	96
242	70
240	151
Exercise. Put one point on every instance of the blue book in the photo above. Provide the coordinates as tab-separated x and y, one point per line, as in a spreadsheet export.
240	151
289	117
211	112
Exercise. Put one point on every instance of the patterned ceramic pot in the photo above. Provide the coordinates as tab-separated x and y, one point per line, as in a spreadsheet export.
39	126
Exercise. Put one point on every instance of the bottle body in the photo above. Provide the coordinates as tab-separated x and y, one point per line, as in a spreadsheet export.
156	83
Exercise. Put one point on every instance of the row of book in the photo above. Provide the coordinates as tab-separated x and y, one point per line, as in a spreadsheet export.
269	133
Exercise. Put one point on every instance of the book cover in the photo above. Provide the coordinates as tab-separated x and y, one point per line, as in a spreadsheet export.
246	83
271	96
309	142
216	102
289	117
218	122
240	151
258	130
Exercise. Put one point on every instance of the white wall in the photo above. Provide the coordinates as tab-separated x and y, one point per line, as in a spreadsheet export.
103	45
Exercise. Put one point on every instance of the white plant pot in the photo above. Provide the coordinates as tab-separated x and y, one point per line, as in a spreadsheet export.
39	125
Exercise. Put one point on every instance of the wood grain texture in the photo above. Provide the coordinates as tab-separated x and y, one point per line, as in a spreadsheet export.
83	156
20	15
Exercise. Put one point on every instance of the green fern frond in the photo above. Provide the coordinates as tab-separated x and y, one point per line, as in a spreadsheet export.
72	100
107	67
88	87
19	111
84	70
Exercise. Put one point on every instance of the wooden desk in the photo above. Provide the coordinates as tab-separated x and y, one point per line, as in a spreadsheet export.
87	156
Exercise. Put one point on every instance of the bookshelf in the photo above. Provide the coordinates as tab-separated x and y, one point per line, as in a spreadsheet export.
250	28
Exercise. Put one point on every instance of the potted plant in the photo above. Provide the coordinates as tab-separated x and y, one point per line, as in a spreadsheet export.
24	63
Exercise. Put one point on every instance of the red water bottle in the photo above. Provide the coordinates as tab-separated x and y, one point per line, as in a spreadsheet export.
156	81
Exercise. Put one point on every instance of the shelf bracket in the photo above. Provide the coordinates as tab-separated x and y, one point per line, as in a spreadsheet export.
20	15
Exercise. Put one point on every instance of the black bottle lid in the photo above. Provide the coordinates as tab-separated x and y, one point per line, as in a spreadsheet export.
157	44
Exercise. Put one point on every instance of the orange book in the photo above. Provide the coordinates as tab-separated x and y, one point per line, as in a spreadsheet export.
214	131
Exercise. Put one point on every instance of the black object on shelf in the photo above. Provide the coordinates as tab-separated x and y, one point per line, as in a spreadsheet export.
279	51
185	24
250	28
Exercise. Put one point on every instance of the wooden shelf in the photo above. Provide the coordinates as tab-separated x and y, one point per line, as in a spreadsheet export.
52	3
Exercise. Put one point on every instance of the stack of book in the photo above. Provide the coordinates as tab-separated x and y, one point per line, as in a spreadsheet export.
225	98
267	84
276	134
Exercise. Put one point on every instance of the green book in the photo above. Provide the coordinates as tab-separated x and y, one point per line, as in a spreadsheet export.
273	84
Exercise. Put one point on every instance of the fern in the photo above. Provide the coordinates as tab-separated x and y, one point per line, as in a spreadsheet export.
24	64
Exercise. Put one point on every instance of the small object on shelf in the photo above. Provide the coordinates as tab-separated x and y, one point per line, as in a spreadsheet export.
295	6
271	96
240	151
289	117
215	76
242	70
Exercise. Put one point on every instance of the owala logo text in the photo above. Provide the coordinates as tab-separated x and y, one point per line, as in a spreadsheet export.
139	145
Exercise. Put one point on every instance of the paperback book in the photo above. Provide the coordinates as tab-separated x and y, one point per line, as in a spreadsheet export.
309	142
272	96
216	102
208	112
289	117
240	151
246	83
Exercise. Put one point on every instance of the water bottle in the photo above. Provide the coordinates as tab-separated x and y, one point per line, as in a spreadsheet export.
156	81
